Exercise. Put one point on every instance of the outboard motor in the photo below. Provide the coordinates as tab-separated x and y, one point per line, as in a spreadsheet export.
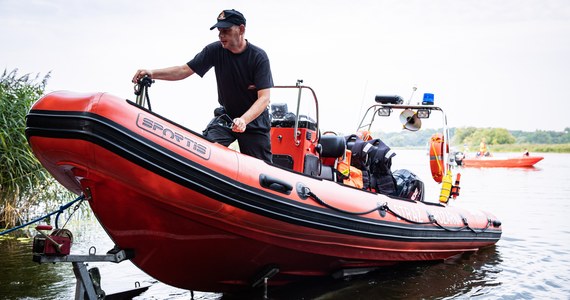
459	156
408	185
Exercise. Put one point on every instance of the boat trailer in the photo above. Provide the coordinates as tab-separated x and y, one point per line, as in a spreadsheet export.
55	248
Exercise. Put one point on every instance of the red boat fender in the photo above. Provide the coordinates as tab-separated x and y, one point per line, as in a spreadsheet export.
455	188
436	156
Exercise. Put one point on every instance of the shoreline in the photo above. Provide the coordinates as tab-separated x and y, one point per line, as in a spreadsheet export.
505	148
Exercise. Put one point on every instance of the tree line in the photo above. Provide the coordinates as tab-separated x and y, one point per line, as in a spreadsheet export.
472	136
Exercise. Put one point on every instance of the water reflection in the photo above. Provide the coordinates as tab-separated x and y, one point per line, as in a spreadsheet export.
469	274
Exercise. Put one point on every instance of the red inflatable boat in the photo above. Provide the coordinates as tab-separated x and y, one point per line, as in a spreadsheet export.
201	216
502	162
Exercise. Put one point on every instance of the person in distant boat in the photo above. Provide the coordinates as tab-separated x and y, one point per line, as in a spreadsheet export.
483	151
244	80
525	153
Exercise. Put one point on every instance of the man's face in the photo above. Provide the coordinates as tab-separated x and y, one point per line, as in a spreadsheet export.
230	37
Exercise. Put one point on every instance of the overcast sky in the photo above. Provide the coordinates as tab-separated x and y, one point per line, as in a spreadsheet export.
489	63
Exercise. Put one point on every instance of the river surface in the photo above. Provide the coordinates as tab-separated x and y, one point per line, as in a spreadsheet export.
531	261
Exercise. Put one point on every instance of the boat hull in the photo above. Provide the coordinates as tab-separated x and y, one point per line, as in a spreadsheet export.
498	162
201	216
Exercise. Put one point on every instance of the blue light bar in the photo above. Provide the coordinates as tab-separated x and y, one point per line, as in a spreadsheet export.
428	99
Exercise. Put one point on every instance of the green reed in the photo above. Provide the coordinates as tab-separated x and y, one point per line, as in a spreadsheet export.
24	183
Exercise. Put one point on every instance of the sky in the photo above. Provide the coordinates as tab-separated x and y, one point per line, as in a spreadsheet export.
502	64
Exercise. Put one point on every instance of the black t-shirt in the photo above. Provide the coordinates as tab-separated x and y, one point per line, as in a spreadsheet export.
239	77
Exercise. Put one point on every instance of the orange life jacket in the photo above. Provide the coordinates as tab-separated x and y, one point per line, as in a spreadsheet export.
351	175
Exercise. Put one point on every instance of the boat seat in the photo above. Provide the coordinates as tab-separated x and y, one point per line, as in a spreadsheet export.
332	148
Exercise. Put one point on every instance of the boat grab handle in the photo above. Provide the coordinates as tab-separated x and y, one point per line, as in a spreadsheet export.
275	184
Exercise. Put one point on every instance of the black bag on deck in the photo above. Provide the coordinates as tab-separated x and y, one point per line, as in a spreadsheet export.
380	162
374	159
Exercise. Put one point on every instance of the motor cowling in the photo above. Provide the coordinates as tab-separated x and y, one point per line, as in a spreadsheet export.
408	185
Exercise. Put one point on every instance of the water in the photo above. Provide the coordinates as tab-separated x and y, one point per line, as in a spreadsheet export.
531	261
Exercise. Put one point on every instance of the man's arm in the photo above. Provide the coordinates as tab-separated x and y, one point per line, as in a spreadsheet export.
254	111
170	73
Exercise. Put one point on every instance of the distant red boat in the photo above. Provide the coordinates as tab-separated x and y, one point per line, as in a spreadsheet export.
201	216
502	162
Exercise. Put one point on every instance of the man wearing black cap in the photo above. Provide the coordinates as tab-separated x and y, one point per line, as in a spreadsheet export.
244	80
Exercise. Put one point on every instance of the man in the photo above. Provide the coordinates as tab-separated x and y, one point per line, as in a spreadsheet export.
244	80
483	148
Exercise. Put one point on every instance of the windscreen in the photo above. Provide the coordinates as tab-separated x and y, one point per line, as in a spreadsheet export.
289	103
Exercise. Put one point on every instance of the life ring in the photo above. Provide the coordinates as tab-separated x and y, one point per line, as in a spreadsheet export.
436	162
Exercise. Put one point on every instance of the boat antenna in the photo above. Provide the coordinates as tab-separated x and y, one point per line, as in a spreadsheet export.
296	138
362	101
414	89
141	91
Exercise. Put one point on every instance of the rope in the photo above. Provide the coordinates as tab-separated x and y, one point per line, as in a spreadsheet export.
383	208
58	212
318	200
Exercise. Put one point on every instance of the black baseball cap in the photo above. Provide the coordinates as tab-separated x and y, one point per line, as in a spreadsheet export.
229	18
